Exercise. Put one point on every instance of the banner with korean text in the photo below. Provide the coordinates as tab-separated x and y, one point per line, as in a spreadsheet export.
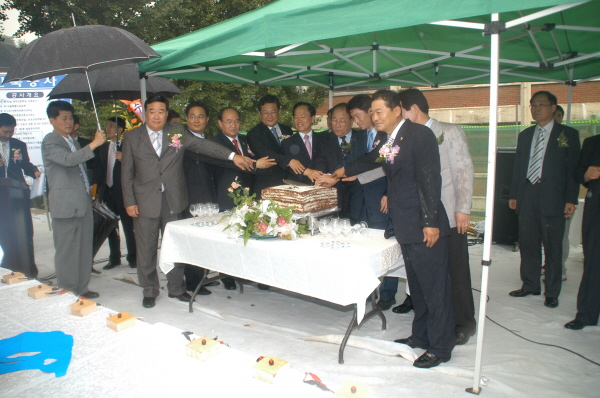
27	102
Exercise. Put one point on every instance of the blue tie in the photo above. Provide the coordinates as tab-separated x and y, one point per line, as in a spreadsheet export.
274	130
371	140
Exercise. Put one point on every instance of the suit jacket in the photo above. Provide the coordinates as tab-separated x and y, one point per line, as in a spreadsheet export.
100	173
457	169
16	168
227	172
294	148
143	172
199	178
67	193
414	182
558	187
590	156
368	194
262	143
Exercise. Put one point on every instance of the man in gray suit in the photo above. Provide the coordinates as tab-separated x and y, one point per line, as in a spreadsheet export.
154	188
70	203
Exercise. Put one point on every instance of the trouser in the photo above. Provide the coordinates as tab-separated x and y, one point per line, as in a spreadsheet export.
535	228
146	239
428	275
73	239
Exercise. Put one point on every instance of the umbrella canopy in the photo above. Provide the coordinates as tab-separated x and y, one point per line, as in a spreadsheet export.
77	50
80	49
8	54
119	82
346	43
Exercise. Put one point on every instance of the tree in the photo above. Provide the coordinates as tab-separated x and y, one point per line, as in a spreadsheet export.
155	22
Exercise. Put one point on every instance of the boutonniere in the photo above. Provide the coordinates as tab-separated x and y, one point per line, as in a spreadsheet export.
17	157
562	140
347	147
176	141
440	139
285	137
387	153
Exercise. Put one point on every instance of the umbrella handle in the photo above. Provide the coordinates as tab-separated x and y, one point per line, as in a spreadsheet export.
93	102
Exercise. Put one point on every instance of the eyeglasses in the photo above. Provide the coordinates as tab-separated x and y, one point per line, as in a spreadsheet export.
533	106
231	122
340	121
272	113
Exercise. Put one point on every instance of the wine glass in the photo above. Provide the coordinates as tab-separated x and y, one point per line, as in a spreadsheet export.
214	210
202	212
324	227
193	211
335	225
346	227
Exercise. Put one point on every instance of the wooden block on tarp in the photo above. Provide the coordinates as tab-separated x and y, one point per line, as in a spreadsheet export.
353	390
39	291
83	307
14	277
268	368
202	348
120	321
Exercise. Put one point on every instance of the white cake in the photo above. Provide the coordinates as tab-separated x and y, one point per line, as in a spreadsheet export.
305	199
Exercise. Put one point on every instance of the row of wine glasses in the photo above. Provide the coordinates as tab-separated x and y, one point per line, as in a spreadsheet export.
206	213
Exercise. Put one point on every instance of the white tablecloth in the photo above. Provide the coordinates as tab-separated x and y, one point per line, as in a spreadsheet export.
344	276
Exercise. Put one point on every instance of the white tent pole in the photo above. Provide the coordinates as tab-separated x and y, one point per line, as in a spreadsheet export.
330	98
489	198
569	103
144	94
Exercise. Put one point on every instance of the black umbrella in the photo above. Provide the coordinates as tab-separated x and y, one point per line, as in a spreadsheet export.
8	54
105	221
80	49
119	82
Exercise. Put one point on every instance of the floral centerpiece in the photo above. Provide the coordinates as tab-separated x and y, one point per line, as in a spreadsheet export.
262	218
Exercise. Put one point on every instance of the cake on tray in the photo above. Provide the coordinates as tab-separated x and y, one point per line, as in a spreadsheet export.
305	198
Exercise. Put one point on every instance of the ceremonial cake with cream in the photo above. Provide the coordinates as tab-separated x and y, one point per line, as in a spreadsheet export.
305	199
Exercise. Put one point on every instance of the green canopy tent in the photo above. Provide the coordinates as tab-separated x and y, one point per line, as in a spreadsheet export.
340	43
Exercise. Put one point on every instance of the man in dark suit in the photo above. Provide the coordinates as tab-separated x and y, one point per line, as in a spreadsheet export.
265	139
154	188
419	220
108	179
587	173
341	146
544	193
69	196
14	161
306	146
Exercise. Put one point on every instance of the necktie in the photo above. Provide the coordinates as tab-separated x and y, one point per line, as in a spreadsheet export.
308	146
156	142
81	167
112	157
390	140
535	163
274	131
344	147
5	158
371	140
237	148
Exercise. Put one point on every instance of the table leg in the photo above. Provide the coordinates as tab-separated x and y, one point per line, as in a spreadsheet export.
353	325
196	291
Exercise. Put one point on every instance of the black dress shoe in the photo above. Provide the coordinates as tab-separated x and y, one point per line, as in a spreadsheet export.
90	295
575	325
405	307
203	291
229	284
463	337
112	264
522	293
132	264
215	283
385	305
263	287
182	297
95	271
148	302
551	302
428	360
409	342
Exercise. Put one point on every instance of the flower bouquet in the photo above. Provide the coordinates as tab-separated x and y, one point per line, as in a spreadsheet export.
261	219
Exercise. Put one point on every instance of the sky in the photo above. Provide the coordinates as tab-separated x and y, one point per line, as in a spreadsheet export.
12	25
